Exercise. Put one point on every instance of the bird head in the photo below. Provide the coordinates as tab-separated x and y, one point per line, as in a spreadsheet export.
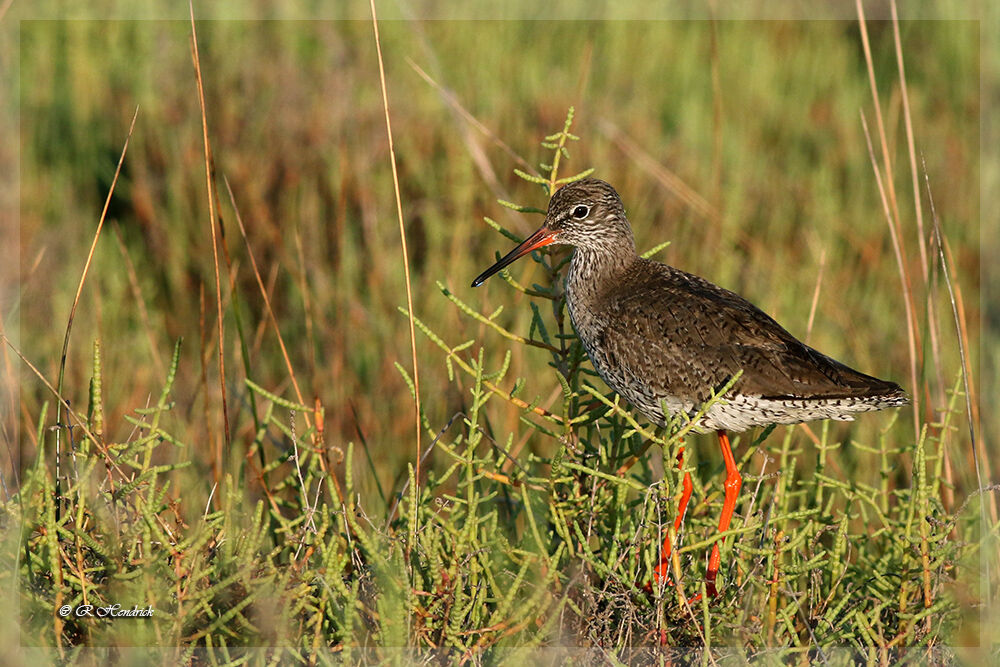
587	214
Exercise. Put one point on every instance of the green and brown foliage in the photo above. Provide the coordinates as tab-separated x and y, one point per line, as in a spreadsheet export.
305	531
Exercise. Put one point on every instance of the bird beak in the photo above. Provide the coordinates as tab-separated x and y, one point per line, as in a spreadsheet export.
542	237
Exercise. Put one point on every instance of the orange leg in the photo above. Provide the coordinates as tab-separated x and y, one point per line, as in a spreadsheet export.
662	570
732	486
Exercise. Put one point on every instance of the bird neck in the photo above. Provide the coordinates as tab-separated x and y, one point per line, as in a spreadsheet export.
593	270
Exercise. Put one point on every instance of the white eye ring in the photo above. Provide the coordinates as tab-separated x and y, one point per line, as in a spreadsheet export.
581	212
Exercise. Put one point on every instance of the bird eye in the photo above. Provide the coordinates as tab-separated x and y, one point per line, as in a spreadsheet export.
580	212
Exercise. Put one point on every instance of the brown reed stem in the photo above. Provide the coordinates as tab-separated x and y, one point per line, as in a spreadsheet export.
209	178
406	260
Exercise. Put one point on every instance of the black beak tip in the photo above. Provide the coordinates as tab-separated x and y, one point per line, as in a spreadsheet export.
477	282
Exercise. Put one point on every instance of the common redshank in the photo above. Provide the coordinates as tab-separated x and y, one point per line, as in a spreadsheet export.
667	341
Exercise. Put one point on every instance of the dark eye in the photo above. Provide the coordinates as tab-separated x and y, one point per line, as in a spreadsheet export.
580	212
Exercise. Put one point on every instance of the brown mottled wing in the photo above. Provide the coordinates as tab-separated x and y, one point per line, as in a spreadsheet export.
685	337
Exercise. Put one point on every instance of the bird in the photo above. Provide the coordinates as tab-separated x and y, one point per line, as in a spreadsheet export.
668	342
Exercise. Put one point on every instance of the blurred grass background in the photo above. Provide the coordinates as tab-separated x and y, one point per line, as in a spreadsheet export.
773	145
297	128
